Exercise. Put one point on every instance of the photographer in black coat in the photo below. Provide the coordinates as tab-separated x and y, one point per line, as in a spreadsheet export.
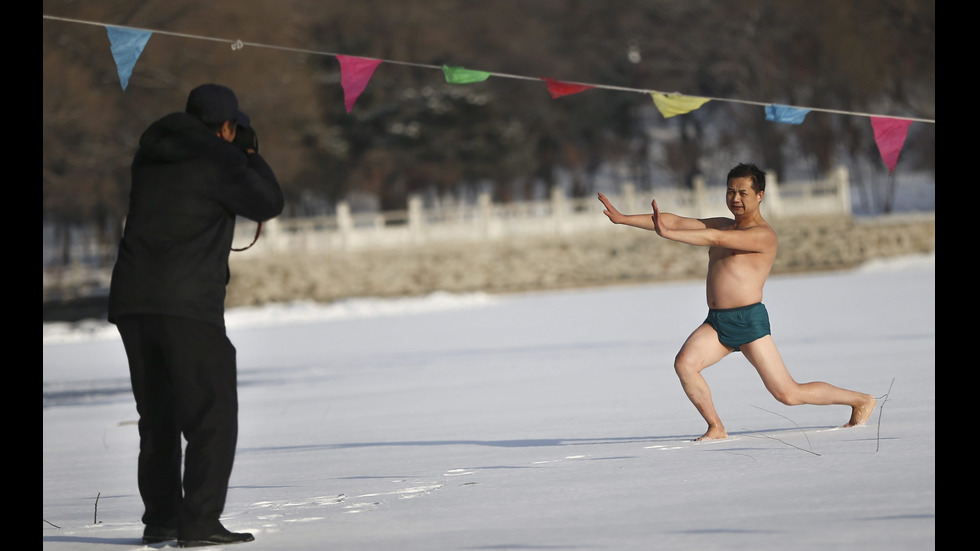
190	179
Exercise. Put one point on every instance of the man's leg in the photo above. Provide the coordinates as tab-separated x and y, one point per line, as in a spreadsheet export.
203	368
158	473
701	350
764	356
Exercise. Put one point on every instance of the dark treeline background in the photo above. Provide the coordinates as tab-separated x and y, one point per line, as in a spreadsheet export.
411	132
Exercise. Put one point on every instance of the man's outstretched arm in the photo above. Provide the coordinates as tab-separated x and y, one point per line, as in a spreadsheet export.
756	239
645	221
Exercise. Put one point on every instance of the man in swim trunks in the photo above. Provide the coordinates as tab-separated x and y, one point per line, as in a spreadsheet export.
737	326
741	252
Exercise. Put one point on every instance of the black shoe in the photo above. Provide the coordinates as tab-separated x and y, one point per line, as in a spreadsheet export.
158	534
221	538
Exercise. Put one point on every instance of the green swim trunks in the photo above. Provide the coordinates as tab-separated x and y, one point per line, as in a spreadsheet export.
738	326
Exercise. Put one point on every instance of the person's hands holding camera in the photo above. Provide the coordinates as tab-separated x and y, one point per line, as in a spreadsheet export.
246	139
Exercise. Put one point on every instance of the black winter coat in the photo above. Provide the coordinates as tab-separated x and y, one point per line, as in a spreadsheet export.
188	185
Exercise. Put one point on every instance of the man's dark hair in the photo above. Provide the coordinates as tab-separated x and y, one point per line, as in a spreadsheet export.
749	170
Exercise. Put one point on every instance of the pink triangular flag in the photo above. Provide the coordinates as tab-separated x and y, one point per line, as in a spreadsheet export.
355	72
890	137
558	89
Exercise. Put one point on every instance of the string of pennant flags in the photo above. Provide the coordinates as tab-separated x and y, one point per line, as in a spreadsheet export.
128	43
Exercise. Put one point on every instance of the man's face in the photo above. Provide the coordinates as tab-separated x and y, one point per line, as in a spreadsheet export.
228	131
741	198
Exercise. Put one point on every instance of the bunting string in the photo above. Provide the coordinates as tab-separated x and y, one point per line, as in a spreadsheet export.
128	42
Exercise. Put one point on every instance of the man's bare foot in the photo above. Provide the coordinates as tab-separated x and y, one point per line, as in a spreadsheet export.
714	433
860	414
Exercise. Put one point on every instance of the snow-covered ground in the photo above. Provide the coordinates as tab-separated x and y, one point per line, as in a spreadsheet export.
533	421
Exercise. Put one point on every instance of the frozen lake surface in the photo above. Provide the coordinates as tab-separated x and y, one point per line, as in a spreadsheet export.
532	421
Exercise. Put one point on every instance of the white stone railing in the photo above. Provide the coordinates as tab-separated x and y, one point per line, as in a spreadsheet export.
554	216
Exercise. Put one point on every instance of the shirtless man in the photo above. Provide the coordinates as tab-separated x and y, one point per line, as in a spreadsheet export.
740	256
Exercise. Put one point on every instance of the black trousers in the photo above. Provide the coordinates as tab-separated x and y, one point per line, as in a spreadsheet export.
184	379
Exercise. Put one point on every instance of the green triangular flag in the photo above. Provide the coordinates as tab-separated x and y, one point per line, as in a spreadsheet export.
459	75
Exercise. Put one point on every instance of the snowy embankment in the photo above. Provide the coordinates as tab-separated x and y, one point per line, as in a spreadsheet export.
310	311
291	313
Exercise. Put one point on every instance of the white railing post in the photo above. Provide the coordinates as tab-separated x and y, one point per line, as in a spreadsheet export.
558	209
772	194
270	236
843	180
345	224
416	220
484	214
629	198
700	196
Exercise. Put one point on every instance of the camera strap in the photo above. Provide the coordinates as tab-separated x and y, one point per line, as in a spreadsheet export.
258	230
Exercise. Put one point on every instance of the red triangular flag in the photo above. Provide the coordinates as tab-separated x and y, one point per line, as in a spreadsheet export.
890	137
355	72
559	89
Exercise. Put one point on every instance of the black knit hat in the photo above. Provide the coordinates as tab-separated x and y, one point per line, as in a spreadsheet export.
214	103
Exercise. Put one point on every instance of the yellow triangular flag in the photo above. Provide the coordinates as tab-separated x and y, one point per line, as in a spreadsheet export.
675	104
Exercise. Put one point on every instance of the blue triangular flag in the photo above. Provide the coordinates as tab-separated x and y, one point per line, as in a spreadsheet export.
785	113
127	45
